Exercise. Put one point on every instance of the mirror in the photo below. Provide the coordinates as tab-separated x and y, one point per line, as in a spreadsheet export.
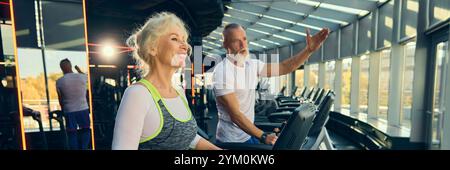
53	64
10	131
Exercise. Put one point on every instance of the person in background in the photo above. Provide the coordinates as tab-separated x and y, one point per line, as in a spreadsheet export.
235	79
72	91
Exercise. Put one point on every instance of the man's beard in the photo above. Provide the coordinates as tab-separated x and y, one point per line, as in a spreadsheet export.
238	57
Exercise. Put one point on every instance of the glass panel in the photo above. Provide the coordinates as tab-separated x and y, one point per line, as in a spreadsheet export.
299	80
364	84
408	24
385	25
10	134
343	9
440	84
313	75
331	52
52	59
33	88
283	83
365	34
439	11
347	36
329	74
383	98
409	51
346	83
61	57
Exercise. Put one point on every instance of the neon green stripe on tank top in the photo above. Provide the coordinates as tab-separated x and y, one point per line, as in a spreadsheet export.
156	97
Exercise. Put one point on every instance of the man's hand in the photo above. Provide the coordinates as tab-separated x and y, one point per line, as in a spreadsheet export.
293	63
313	43
78	69
271	139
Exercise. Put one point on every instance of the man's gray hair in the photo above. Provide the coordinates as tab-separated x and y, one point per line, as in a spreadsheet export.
228	27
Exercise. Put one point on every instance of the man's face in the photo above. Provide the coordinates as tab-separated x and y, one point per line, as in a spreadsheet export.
236	41
66	66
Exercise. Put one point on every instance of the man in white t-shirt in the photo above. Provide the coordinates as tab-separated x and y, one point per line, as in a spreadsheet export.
72	90
235	79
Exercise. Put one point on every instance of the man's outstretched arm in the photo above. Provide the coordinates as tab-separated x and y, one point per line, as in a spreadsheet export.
292	63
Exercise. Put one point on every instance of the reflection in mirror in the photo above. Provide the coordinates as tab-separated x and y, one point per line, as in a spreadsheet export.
53	67
10	131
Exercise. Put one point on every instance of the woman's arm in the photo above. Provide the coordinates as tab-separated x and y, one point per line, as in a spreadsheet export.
203	144
130	119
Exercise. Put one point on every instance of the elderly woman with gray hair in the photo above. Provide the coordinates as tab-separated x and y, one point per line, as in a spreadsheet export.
153	113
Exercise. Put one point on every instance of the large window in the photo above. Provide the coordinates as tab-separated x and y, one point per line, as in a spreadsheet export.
408	20
383	98
313	75
385	25
33	87
329	74
62	41
346	83
440	85
364	84
439	11
409	50
283	83
62	30
365	34
441	53
299	80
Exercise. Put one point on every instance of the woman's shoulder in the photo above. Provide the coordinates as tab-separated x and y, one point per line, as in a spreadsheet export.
137	89
137	96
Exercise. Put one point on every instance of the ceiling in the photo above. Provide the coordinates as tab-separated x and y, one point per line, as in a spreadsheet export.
118	18
275	23
115	20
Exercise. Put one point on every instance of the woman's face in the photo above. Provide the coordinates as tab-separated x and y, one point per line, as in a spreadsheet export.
172	48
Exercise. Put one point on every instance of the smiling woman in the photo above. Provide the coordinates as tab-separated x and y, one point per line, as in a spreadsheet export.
149	116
